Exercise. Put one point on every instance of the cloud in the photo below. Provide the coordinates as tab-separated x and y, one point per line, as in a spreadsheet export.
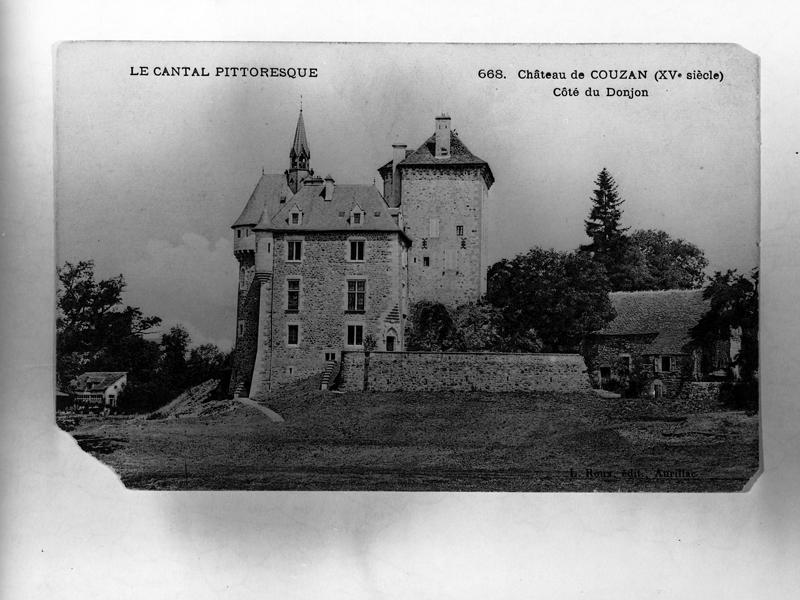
192	283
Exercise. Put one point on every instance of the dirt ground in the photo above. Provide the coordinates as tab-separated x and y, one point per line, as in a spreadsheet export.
442	441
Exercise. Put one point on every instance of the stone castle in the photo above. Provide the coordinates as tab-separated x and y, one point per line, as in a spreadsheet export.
326	268
328	271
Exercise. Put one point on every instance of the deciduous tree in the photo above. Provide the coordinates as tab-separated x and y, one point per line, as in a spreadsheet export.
656	261
93	328
430	326
733	300
561	296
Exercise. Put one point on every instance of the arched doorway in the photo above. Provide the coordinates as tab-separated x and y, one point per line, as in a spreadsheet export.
390	342
657	389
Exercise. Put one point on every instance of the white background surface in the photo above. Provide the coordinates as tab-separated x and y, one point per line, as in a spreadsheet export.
70	530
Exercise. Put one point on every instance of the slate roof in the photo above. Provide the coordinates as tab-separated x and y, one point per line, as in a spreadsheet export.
460	155
96	381
321	214
388	165
668	313
265	196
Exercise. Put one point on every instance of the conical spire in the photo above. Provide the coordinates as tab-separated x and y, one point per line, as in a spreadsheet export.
300	146
299	156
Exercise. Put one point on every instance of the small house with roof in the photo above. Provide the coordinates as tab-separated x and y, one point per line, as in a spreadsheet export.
326	267
100	389
649	344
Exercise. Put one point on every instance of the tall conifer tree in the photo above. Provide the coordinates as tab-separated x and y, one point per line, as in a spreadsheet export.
609	242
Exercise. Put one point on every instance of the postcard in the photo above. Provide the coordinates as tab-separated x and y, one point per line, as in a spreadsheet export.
412	267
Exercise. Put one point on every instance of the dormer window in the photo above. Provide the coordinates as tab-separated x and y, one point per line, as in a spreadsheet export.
357	216
296	216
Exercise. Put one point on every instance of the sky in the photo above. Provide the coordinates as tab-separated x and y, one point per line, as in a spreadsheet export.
151	171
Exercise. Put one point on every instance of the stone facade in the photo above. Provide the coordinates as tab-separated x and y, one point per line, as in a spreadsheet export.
703	396
247	301
463	371
443	211
322	316
615	360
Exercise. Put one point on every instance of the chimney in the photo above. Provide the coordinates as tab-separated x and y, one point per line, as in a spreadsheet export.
328	188
442	136
398	156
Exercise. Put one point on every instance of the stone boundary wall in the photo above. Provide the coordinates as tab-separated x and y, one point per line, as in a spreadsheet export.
462	371
702	396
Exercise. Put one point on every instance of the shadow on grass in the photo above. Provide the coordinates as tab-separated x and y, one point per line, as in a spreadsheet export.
96	444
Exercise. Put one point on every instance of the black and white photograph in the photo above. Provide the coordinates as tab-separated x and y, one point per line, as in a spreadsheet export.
409	267
442	300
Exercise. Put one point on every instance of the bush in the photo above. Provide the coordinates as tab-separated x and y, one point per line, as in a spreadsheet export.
431	327
740	396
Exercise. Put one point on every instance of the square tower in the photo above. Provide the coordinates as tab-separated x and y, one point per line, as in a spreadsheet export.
441	189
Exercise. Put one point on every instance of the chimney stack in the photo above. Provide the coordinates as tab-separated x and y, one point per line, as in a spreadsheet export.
328	188
398	156
443	136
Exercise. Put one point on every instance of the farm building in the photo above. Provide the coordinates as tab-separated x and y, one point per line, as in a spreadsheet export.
99	388
649	344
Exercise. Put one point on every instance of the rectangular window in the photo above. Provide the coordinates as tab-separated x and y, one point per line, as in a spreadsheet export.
295	252
238	233
426	261
240	328
356	218
434	228
356	292
357	250
666	363
293	295
293	335
459	230
355	335
295	218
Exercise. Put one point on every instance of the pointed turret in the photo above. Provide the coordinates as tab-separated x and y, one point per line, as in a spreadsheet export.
299	156
300	153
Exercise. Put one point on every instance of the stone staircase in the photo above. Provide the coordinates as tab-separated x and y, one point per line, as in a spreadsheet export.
238	391
394	315
329	375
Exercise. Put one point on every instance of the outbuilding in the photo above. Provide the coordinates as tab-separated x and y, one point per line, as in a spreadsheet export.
99	389
648	347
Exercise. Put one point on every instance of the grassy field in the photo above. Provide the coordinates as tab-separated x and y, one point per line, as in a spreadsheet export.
442	441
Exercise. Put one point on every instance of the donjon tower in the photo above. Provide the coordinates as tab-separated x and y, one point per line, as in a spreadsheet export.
441	189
